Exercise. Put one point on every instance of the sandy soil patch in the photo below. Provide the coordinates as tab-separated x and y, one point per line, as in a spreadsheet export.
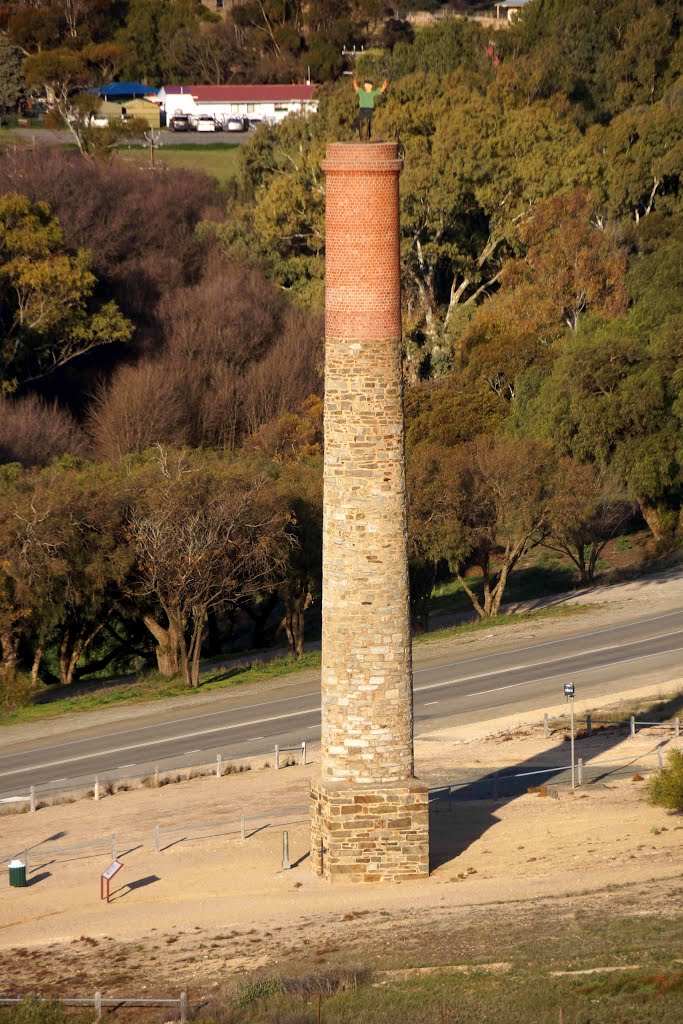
209	905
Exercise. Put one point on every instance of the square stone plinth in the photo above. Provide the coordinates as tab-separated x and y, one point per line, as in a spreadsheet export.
376	832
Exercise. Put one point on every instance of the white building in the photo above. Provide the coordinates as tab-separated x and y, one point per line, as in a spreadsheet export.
261	102
509	9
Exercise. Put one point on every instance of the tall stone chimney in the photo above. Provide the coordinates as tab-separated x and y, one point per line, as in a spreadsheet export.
369	813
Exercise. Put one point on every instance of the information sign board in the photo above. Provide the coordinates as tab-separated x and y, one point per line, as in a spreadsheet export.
107	876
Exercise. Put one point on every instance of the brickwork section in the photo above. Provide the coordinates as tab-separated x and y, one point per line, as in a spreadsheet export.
368	811
362	266
363	834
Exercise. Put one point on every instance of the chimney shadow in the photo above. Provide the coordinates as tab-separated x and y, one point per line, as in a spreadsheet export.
463	811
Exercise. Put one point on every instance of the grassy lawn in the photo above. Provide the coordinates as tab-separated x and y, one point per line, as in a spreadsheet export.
153	686
537	979
218	160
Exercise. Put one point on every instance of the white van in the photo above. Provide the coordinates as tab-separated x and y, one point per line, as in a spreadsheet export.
206	123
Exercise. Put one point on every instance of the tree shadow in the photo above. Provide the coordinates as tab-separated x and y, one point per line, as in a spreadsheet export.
462	812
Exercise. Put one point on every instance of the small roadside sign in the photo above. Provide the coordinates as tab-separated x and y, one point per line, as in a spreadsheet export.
107	876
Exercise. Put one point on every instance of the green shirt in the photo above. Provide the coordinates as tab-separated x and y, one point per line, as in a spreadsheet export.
367	99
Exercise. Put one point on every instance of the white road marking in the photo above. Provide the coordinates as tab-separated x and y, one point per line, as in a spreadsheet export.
429	703
562	640
538	664
560	675
136	746
431	686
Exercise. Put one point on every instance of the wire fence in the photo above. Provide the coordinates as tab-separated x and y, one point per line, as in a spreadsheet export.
99	1002
152	773
632	723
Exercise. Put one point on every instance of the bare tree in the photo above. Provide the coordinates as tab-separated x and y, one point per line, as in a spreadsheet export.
140	407
486	503
588	510
205	535
34	432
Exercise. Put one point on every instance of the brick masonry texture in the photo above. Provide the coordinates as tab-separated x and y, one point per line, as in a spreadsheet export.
369	814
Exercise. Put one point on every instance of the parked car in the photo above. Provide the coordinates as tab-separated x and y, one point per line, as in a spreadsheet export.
98	121
180	123
237	124
206	123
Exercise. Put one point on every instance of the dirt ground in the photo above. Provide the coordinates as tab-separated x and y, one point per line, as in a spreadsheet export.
209	906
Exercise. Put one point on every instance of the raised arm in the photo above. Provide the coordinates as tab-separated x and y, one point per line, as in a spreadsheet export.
355	85
384	85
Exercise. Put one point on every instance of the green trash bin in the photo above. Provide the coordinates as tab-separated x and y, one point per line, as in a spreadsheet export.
17	874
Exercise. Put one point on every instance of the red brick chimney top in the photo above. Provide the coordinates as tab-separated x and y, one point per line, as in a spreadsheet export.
362	156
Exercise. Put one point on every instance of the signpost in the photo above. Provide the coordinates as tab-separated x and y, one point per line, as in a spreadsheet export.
569	695
107	876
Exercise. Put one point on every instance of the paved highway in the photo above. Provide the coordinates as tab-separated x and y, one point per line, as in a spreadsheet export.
460	686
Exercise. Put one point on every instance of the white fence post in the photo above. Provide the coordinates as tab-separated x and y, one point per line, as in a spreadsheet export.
277	756
660	758
546	730
33	799
98	1005
303	751
156	777
219	766
157	839
97	787
633	726
581	771
183	1008
285	852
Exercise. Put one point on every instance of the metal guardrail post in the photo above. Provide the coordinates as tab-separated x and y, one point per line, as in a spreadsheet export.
157	839
277	757
33	799
303	751
589	724
285	852
183	1008
580	777
633	726
219	766
98	1005
546	730
242	827
97	787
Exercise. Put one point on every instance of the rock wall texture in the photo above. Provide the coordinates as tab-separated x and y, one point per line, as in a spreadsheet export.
369	813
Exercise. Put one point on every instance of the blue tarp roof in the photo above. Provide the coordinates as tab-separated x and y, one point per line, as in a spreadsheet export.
116	89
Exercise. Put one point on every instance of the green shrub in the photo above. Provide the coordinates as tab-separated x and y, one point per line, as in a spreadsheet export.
16	691
33	1010
666	786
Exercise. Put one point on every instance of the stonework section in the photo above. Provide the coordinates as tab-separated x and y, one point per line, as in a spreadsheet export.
369	814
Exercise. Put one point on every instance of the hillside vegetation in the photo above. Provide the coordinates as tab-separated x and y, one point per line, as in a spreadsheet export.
161	375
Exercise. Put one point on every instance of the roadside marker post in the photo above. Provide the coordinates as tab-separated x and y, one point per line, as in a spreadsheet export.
286	865
569	695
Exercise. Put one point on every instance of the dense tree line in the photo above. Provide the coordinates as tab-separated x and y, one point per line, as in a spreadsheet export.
161	410
81	42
